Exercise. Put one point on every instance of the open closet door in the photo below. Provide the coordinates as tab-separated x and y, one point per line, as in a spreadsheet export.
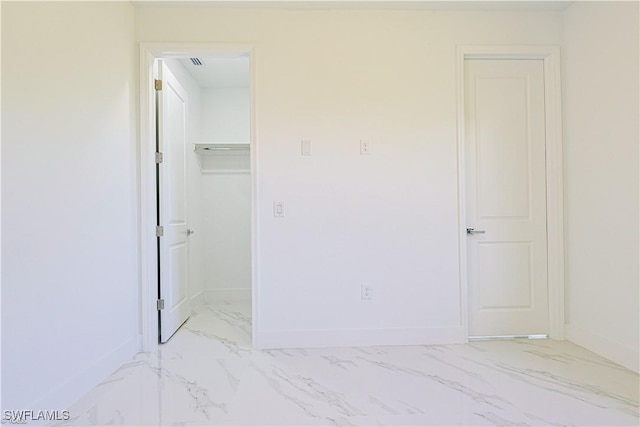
171	116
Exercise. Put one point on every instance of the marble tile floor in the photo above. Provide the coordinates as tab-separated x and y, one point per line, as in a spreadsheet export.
209	375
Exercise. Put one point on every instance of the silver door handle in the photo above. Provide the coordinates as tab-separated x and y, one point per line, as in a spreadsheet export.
472	231
190	232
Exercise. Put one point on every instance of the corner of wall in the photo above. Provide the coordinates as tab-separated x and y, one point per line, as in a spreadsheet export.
602	192
626	356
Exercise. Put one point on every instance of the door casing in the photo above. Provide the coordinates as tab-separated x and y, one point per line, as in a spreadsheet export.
550	55
147	180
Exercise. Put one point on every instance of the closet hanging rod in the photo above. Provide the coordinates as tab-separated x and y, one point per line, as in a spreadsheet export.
219	147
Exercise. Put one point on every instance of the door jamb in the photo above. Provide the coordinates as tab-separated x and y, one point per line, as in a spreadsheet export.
550	55
147	181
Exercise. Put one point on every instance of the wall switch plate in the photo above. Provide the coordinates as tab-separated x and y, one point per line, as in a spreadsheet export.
365	147
306	147
366	292
278	209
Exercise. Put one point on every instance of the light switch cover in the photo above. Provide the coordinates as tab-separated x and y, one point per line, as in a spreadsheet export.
306	147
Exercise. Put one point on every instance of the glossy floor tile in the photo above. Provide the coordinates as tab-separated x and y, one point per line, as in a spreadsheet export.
209	375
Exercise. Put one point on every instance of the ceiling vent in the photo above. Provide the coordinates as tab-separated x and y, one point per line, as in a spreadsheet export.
196	61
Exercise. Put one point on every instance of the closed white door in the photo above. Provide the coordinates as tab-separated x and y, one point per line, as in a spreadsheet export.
506	197
171	103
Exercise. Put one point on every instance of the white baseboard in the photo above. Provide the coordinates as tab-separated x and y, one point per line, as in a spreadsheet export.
629	357
198	300
359	337
71	390
211	296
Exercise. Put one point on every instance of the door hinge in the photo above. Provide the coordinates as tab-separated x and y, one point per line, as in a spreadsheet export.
159	157
159	231
160	304
157	84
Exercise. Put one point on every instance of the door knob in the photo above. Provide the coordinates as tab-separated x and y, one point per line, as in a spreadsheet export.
473	231
190	232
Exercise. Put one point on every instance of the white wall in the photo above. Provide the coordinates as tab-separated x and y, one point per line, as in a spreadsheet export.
226	194
70	239
226	201
388	220
601	178
194	181
226	115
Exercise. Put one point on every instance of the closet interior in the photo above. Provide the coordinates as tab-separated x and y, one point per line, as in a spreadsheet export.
218	193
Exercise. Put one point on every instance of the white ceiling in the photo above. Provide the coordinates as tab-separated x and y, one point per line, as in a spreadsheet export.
369	4
219	72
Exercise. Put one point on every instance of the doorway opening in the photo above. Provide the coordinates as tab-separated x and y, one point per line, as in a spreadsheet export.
198	265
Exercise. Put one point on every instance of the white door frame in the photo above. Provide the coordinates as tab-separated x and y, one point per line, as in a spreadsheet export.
550	55
147	193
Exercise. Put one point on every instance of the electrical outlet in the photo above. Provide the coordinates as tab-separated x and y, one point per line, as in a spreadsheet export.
366	292
365	147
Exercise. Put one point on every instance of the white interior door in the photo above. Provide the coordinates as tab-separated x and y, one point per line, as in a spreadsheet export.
506	197
172	215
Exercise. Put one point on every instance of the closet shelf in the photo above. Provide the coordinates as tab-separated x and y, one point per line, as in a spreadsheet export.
217	148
